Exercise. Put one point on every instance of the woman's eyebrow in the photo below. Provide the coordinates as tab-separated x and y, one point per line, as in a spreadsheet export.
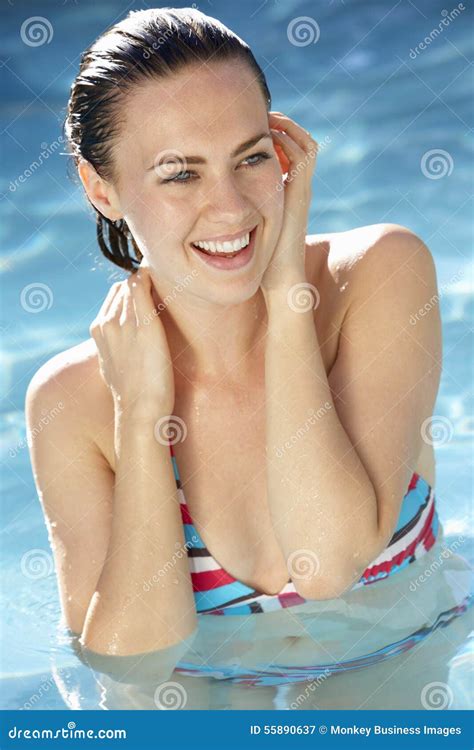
200	160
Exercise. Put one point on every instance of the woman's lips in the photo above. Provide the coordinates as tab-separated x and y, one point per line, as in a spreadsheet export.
238	260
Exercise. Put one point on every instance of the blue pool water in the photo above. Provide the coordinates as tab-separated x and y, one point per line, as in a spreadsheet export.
395	124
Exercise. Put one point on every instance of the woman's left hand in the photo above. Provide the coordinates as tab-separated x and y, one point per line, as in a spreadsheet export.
297	152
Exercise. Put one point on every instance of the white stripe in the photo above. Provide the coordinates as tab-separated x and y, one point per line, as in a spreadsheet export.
203	564
389	552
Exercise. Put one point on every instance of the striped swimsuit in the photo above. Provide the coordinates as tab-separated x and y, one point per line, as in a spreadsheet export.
218	593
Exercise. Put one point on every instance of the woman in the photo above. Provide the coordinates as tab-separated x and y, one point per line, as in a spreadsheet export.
281	372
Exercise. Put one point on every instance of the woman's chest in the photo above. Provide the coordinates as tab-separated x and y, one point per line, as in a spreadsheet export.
220	451
221	460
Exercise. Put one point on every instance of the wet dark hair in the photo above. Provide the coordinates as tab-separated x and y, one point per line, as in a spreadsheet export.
146	44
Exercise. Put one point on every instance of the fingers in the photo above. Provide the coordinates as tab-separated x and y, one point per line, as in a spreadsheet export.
127	311
127	301
300	136
107	305
141	292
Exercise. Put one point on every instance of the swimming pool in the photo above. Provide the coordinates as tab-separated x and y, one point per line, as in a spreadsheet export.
391	112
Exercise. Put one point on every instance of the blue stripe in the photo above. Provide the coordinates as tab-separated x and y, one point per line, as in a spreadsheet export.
192	537
175	468
219	597
412	502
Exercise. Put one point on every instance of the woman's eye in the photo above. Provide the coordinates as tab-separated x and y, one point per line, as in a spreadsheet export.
179	177
261	157
187	176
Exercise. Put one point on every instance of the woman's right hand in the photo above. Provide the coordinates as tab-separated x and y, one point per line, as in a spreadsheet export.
134	356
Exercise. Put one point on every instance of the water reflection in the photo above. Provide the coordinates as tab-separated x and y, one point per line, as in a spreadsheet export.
400	643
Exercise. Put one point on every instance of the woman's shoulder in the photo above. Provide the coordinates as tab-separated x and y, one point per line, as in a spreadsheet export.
340	254
70	383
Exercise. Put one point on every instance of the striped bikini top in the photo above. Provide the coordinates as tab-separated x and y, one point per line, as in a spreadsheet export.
216	592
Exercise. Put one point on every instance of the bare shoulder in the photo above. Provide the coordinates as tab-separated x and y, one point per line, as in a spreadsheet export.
351	260
70	381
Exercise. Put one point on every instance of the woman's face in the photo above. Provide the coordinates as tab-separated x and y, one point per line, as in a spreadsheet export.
170	201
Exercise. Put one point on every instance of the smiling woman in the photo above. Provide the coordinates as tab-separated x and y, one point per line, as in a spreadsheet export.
231	315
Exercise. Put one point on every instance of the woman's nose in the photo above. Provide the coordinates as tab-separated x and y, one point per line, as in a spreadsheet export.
226	202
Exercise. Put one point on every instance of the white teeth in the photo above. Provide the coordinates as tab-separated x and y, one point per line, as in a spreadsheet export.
225	247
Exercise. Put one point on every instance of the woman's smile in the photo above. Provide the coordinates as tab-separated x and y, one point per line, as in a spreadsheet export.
232	259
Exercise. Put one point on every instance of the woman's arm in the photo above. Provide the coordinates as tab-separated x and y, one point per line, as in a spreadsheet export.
144	598
112	537
352	438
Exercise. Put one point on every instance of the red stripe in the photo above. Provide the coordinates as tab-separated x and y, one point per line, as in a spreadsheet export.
413	481
210	579
386	567
290	599
430	540
185	513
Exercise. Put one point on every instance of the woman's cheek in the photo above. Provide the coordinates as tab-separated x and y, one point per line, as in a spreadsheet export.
274	194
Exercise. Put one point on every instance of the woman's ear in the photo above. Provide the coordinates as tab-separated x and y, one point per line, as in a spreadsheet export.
100	193
282	158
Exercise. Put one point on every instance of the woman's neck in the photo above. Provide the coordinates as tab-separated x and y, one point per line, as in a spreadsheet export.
211	344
